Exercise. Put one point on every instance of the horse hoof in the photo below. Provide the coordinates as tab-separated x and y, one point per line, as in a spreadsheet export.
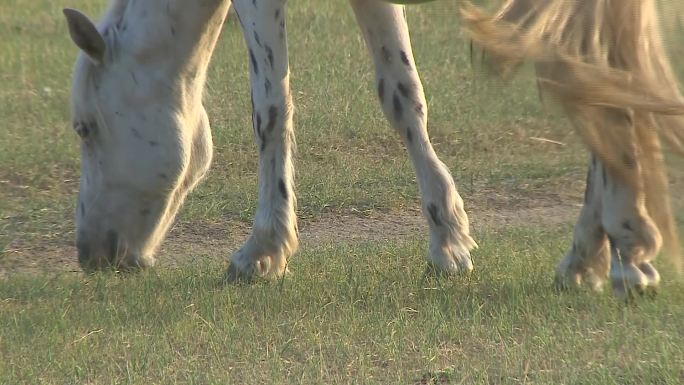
235	276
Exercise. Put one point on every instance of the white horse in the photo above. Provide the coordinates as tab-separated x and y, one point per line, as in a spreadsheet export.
146	142
137	105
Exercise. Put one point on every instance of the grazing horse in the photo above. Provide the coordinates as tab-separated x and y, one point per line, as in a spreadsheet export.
146	142
137	105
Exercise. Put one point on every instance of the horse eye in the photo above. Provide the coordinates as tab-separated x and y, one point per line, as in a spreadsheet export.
82	129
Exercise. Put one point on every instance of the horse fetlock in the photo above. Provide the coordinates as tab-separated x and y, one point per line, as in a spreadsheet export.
254	261
651	273
627	278
568	276
574	270
449	258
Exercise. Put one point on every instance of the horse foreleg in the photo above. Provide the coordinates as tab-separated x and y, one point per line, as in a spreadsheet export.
403	102
274	235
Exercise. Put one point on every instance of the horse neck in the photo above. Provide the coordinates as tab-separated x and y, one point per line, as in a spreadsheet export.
175	36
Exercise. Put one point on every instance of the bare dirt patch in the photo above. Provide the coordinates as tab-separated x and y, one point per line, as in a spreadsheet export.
201	242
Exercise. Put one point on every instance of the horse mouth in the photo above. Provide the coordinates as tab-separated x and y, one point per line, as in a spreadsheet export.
112	254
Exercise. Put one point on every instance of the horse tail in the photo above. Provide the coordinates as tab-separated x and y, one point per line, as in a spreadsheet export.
604	61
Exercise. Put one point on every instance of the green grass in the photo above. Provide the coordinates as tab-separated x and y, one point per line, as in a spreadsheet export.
353	312
349	314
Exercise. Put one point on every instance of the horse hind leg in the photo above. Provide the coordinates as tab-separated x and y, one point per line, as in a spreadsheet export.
401	95
614	238
634	238
274	234
588	260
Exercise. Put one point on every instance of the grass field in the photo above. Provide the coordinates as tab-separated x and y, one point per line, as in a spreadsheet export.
356	310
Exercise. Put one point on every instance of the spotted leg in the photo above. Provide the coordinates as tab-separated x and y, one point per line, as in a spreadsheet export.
274	234
403	102
588	260
615	236
634	238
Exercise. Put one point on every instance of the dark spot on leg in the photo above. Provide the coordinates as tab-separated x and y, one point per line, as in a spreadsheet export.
152	143
604	176
419	109
277	14
272	116
256	39
262	147
135	79
627	226
82	129
386	55
163	176
381	90
628	161
269	55
398	109
136	133
403	89
267	87
255	66
404	58
282	188
432	210
82	207
409	135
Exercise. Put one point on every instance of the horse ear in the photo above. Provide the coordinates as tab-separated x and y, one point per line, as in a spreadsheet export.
85	35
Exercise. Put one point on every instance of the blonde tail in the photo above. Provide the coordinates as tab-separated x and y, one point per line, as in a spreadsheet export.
604	61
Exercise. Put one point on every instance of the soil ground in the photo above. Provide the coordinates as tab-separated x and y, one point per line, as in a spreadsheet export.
195	241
